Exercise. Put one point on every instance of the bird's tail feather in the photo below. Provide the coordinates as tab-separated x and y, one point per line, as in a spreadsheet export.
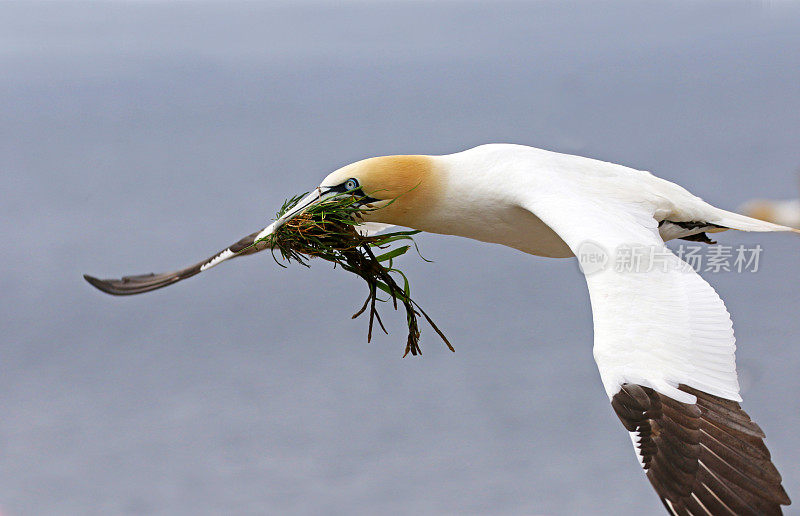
733	220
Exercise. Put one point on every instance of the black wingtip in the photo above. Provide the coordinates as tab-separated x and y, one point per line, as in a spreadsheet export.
97	283
102	285
140	283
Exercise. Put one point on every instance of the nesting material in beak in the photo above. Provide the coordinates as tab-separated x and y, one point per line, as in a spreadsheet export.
326	229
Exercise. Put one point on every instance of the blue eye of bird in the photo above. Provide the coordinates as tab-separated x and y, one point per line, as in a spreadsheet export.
351	184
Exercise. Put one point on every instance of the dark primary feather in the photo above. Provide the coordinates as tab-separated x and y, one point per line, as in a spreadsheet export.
129	285
138	284
707	458
694	231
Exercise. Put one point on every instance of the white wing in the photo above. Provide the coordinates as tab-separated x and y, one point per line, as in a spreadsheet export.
657	322
664	345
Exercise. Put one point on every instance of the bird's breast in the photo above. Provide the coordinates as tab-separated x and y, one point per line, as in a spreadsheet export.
512	226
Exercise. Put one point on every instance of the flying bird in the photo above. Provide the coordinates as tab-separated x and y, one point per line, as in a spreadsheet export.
785	212
663	339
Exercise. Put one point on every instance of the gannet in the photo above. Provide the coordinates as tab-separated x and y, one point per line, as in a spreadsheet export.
663	339
780	211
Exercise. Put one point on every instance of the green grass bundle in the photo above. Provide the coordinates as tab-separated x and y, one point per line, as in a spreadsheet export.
327	230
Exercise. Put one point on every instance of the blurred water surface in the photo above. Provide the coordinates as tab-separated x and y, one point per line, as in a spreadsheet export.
143	136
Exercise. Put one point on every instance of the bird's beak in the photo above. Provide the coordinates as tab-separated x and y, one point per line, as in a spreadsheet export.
316	196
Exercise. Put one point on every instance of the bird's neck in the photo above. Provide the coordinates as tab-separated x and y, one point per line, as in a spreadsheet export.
473	198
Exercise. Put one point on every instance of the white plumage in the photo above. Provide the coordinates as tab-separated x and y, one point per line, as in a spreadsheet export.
663	342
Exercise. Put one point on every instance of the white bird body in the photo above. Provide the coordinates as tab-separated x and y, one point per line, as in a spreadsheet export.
488	193
663	342
657	328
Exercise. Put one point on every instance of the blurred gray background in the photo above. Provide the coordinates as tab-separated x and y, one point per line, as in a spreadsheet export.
138	137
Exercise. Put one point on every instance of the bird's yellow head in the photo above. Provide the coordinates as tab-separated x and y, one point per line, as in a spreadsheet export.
402	188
